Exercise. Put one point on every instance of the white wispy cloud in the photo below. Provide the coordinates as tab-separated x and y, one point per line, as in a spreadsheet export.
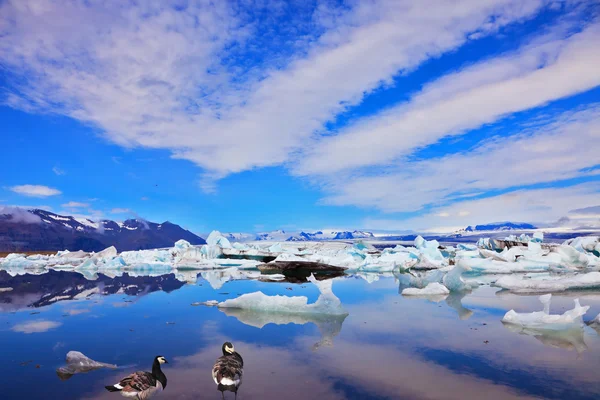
179	94
76	204
551	151
58	171
545	205
464	100
20	214
189	81
121	211
35	190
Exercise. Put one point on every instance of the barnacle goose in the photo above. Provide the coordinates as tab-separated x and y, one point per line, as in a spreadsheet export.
142	385
228	370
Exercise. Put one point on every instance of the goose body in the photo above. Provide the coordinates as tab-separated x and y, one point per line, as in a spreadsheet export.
142	385
228	370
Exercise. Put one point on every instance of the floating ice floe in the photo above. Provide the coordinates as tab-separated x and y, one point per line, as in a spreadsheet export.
544	320
433	289
546	284
78	363
327	303
208	303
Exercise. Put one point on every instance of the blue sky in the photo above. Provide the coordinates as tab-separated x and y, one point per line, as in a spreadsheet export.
387	115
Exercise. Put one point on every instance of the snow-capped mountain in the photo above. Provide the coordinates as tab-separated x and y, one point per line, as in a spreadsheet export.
330	235
500	226
239	237
31	230
283	236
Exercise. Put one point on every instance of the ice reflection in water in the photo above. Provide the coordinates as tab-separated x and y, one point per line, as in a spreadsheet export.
387	347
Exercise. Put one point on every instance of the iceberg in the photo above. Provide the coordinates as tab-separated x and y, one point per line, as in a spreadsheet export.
454	281
490	266
78	363
544	320
546	284
433	289
418	279
430	255
585	244
216	239
327	303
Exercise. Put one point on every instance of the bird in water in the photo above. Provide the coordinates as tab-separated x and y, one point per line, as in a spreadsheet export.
228	370
142	385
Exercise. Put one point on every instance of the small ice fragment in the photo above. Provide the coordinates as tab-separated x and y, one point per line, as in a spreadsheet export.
208	303
272	277
545	320
79	363
433	289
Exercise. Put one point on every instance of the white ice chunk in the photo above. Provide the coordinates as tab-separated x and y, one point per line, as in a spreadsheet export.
216	239
550	283
489	266
433	289
208	303
545	320
182	244
585	244
327	303
454	281
78	363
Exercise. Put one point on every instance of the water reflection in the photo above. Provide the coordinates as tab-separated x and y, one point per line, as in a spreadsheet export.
54	286
389	347
329	325
454	300
571	339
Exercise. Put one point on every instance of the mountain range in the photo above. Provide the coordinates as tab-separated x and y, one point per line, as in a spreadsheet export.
37	230
500	226
283	236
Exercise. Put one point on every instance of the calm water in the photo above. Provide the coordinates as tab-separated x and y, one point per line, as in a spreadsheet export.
388	347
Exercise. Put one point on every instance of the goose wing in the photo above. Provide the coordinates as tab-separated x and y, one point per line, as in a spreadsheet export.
228	370
138	382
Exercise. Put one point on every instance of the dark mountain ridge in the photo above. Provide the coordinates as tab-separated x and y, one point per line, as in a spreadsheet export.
43	230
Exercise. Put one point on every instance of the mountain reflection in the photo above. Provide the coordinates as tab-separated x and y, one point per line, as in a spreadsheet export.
54	286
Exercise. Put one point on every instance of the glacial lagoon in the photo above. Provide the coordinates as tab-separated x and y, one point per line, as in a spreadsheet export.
388	346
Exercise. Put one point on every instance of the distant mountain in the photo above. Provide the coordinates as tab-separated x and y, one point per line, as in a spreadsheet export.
330	235
274	236
283	236
500	226
43	230
239	237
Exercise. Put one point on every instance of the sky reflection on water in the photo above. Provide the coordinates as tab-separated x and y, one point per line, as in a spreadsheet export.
388	346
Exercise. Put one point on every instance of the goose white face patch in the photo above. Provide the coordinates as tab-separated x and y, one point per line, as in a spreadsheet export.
229	349
162	360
